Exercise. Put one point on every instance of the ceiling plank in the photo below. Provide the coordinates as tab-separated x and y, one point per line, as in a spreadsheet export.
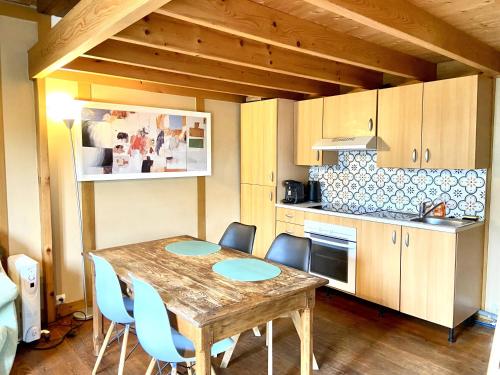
404	20
251	20
89	23
133	54
184	37
176	79
99	79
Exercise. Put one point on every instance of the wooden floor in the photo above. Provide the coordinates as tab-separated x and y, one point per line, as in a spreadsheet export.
351	337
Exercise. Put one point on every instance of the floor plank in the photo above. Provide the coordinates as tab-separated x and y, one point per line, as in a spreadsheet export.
350	337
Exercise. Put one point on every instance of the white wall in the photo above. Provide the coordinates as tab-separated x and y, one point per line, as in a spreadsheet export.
223	187
16	37
493	271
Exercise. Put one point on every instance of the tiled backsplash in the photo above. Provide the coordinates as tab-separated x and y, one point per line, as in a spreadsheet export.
357	182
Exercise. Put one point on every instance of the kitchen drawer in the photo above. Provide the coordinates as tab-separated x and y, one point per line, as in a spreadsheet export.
293	229
290	215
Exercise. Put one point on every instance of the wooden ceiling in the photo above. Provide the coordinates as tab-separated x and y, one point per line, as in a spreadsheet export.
270	48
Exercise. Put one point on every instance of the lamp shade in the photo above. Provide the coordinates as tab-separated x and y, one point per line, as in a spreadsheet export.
61	106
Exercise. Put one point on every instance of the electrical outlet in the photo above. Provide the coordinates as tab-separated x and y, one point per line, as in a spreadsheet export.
60	298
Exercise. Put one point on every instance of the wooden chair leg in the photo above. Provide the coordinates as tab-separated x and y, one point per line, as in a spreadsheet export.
229	353
103	347
189	368
123	353
256	331
212	370
295	316
151	366
269	339
174	370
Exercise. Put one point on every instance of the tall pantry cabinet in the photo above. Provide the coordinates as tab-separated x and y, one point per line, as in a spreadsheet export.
267	159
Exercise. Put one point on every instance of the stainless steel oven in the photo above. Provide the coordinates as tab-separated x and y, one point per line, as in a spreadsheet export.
333	254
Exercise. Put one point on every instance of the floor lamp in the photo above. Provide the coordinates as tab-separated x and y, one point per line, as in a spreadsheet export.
86	312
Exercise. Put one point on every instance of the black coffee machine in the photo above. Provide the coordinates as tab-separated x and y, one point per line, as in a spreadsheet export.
295	192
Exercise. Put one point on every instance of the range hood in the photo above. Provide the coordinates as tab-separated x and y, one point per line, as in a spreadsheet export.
346	143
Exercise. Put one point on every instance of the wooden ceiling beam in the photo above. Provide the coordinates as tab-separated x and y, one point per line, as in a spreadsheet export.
83	64
406	21
175	35
248	19
89	23
127	83
133	54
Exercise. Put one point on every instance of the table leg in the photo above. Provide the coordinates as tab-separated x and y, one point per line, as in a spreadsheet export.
97	323
203	346
306	350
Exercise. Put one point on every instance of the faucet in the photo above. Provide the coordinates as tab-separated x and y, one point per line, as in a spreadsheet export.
424	209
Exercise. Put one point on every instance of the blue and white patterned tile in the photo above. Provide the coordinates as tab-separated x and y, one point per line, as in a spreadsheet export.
356	181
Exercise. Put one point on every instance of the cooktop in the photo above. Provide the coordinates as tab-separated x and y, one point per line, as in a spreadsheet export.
360	210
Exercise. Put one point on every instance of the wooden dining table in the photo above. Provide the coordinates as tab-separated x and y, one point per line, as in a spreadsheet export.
209	307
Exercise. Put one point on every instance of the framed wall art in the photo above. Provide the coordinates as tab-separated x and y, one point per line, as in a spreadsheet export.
118	142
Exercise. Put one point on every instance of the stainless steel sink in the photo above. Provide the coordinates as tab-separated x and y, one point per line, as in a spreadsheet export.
442	221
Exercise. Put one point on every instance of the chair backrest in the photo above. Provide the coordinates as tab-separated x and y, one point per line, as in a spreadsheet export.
239	237
152	324
108	292
291	251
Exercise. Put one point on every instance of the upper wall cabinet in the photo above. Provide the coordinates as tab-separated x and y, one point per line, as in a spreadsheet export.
350	115
308	131
258	142
456	124
400	126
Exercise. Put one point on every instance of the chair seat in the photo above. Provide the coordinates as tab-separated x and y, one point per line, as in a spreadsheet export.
183	344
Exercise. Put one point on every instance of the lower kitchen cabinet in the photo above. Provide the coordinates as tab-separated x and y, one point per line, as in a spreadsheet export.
441	274
258	208
378	260
293	229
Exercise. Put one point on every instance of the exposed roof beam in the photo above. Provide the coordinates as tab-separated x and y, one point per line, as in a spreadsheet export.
55	7
133	54
99	79
175	79
248	19
184	37
89	23
406	21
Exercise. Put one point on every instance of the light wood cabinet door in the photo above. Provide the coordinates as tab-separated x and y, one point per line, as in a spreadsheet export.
258	208
258	142
378	260
350	115
428	275
449	123
308	131
289	228
399	126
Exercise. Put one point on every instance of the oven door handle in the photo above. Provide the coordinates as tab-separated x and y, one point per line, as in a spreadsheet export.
334	243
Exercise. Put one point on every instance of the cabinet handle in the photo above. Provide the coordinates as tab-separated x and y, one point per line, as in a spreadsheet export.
427	155
414	155
370	124
270	195
317	155
407	239
271	176
289	216
394	237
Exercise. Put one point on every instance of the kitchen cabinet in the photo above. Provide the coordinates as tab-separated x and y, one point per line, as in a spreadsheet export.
350	115
441	274
309	130
258	142
290	215
293	229
456	123
378	261
258	208
400	126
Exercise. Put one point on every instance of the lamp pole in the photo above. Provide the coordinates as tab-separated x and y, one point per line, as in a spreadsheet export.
86	314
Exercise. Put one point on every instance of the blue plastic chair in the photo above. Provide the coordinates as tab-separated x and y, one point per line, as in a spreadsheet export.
113	305
155	334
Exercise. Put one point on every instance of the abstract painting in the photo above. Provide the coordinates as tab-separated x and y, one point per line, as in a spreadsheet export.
116	141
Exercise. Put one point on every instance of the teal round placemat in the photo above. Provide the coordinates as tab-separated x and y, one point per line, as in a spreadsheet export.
192	248
246	269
